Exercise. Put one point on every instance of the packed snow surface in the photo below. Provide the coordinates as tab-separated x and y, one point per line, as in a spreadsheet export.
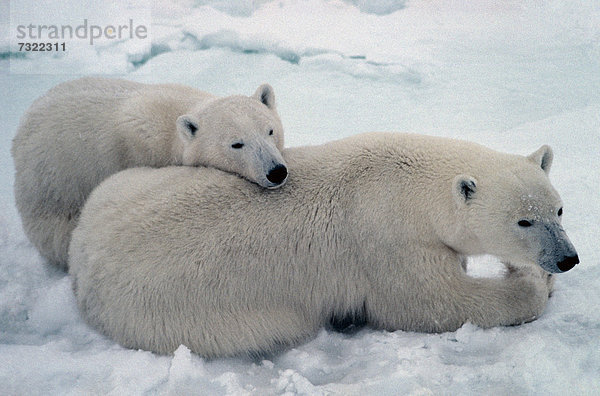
512	75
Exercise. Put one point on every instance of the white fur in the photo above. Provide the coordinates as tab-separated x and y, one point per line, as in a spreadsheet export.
369	227
82	131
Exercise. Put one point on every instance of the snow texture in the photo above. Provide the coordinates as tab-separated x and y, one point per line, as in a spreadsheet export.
512	75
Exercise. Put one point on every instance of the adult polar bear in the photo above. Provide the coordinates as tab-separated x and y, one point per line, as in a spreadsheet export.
375	226
82	131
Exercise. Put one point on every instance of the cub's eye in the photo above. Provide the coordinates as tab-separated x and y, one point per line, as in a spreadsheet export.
559	212
524	223
271	132
237	145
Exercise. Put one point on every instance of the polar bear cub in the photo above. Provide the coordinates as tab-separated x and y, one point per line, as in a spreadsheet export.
82	131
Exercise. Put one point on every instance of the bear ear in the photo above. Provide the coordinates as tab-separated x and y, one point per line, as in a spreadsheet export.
187	127
543	157
464	189
265	95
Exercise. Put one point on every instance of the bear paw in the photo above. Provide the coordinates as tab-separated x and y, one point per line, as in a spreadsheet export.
535	272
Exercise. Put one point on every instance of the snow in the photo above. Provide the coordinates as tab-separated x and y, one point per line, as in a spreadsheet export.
512	75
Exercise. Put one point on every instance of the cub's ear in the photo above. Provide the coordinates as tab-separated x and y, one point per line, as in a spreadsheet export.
266	96
187	127
464	189
543	157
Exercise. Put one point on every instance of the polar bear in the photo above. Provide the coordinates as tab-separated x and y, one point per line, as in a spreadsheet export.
82	131
374	227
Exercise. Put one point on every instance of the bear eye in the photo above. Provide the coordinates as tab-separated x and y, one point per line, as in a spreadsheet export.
271	132
237	145
559	212
524	223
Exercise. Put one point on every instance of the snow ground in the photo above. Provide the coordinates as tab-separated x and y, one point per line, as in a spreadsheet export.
512	75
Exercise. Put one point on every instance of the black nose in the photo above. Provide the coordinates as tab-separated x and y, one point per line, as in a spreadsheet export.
568	263
278	174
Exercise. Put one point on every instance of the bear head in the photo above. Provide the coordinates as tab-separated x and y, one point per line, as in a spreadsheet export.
237	134
512	211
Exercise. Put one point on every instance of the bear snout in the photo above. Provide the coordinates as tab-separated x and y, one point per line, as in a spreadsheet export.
568	263
278	174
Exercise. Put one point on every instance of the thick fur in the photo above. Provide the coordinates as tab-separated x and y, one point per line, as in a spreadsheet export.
374	226
82	131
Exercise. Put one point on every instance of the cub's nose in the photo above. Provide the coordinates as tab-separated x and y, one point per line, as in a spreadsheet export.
568	263
278	174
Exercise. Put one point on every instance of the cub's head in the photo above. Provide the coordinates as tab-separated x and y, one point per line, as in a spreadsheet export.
512	212
237	134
